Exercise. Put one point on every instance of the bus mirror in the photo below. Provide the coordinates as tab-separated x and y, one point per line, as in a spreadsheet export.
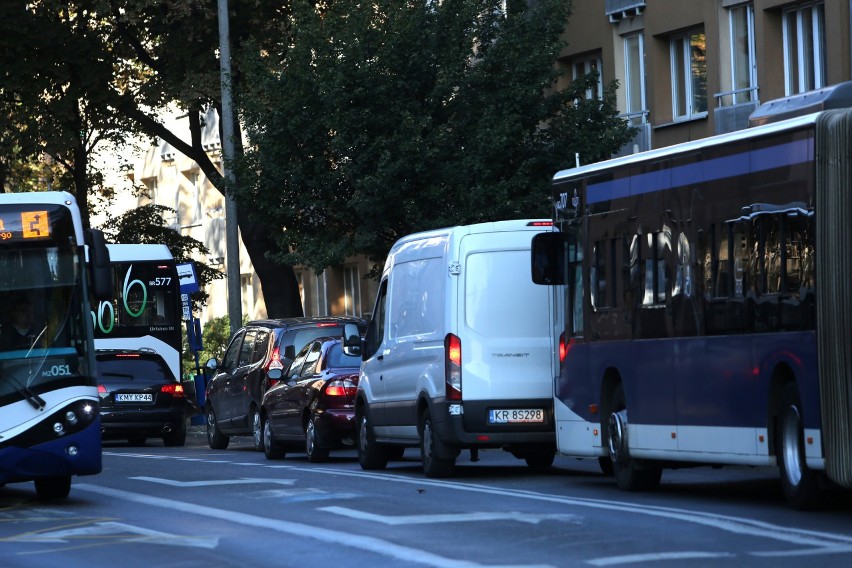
548	258
100	271
351	340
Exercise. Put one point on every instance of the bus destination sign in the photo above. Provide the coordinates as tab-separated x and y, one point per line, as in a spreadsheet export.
23	225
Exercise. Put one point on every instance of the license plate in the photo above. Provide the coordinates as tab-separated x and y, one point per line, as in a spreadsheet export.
515	415
135	397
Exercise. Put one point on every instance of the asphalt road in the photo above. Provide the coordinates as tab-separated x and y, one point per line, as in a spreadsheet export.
193	506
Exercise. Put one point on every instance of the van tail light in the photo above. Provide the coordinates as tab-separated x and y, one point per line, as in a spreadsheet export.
174	389
452	367
563	348
274	363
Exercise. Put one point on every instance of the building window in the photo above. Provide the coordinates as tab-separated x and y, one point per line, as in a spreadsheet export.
743	71
320	303
351	291
689	76
581	67
804	49
634	78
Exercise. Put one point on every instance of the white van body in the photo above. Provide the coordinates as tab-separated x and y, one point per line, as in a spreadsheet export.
472	282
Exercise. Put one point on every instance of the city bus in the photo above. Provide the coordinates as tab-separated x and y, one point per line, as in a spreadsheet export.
698	326
143	311
49	266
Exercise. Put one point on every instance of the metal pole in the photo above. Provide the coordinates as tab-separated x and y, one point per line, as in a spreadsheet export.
232	243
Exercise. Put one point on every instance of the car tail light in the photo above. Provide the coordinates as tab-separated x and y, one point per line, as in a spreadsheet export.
452	369
174	389
341	387
274	363
563	348
102	390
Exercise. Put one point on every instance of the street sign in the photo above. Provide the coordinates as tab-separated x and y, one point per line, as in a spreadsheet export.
187	277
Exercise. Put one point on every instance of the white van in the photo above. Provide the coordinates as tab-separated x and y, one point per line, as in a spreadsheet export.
458	354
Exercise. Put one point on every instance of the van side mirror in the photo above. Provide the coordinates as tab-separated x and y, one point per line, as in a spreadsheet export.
548	258
351	340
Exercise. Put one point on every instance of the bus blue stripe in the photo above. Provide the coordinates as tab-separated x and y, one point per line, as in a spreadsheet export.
758	160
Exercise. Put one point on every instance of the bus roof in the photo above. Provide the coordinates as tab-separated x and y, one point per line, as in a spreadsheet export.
131	252
781	126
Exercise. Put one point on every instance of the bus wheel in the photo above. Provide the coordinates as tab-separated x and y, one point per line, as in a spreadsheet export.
799	483
215	438
370	454
50	488
630	475
433	464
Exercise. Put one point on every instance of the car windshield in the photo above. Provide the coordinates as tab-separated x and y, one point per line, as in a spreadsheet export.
337	358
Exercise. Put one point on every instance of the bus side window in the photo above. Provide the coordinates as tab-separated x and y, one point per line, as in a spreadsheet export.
722	267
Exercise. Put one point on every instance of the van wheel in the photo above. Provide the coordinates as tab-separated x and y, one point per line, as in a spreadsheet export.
256	429
271	448
314	451
630	475
370	454
799	483
215	438
50	488
433	466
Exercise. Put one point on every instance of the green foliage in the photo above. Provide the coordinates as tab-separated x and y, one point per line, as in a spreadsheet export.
369	123
146	224
215	337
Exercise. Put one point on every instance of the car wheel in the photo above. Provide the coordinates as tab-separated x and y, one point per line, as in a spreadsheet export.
175	437
799	483
256	429
215	438
50	488
271	448
315	452
370	454
433	465
629	474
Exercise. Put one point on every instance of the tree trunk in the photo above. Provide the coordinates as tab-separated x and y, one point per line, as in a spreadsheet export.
277	281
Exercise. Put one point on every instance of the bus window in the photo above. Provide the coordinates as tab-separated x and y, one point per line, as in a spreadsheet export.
575	280
722	270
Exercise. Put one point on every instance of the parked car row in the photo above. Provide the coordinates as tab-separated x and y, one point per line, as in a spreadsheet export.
457	355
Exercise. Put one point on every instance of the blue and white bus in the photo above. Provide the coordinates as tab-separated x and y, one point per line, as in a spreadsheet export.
699	327
144	307
49	423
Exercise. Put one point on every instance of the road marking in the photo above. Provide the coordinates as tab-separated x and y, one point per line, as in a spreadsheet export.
447	518
655	557
111	530
210	483
366	543
821	542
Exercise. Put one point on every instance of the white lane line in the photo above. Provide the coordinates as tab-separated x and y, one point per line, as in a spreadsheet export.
115	531
655	557
209	483
397	520
365	543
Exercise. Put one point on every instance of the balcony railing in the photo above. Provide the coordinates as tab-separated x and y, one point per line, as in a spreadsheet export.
642	140
617	10
733	109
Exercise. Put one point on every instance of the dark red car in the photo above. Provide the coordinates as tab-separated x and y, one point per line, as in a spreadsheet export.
313	404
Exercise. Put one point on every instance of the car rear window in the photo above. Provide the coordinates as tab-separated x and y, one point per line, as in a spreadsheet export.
337	358
132	372
301	337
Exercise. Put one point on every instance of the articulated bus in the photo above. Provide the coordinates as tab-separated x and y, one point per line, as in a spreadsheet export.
699	327
49	422
144	309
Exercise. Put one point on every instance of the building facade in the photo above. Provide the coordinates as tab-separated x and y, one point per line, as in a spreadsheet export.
688	69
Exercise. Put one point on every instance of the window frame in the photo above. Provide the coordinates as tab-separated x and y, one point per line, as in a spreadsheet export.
632	113
797	82
682	45
750	95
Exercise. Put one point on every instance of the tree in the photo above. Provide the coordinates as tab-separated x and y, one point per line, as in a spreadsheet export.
369	124
91	68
